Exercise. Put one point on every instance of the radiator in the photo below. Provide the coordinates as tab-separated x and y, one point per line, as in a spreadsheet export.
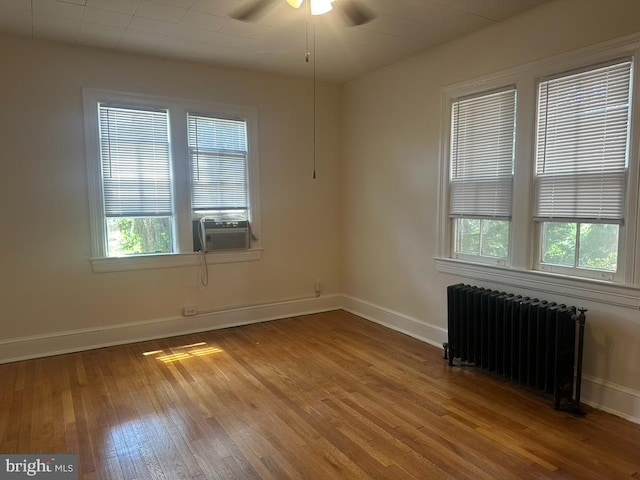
532	342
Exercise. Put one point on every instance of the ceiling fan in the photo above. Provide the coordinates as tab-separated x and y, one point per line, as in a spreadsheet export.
354	12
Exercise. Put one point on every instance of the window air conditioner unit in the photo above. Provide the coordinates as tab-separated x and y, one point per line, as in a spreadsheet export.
220	235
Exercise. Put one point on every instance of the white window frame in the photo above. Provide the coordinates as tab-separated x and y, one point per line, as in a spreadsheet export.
183	235
623	288
618	275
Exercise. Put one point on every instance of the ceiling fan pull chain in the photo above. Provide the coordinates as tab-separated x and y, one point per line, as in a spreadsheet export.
314	99
308	57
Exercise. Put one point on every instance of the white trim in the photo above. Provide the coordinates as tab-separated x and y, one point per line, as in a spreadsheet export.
419	329
549	283
611	397
69	341
171	260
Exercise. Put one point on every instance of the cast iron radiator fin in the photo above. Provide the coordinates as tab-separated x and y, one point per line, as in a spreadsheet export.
532	342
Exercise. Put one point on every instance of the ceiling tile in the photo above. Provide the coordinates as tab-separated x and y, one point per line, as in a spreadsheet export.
121	6
282	15
444	19
176	3
218	7
416	10
156	11
372	39
265	33
390	24
205	20
106	17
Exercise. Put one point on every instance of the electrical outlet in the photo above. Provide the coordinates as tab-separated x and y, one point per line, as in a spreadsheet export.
189	311
318	286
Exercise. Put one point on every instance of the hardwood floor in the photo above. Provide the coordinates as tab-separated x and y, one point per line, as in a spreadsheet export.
327	396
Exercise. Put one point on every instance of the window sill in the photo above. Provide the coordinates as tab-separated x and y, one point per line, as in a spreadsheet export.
172	260
544	282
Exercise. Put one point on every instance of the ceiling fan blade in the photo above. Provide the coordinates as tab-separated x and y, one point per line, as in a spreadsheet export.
253	11
355	12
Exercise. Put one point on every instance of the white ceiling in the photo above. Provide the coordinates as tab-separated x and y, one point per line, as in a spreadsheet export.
202	30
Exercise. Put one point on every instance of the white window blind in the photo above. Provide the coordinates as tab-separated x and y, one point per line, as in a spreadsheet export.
582	145
218	155
482	152
134	153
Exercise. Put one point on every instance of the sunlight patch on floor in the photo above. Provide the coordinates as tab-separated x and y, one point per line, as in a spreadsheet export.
187	351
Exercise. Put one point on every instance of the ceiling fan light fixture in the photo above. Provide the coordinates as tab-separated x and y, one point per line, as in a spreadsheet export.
320	7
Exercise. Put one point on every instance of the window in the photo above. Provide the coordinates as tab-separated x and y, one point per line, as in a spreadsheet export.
481	172
155	165
540	176
218	155
581	168
136	180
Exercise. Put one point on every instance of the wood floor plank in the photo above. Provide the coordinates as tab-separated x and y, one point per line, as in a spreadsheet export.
326	396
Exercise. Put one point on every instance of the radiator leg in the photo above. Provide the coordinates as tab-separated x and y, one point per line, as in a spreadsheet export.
581	319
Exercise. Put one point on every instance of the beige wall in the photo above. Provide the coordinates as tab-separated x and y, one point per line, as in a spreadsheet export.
47	284
391	132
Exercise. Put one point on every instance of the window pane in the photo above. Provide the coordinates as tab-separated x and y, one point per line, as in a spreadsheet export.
219	169
559	243
136	165
582	144
482	153
138	236
495	238
598	246
468	236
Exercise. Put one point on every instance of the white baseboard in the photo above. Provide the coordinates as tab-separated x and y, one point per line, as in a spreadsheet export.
24	348
611	397
431	334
